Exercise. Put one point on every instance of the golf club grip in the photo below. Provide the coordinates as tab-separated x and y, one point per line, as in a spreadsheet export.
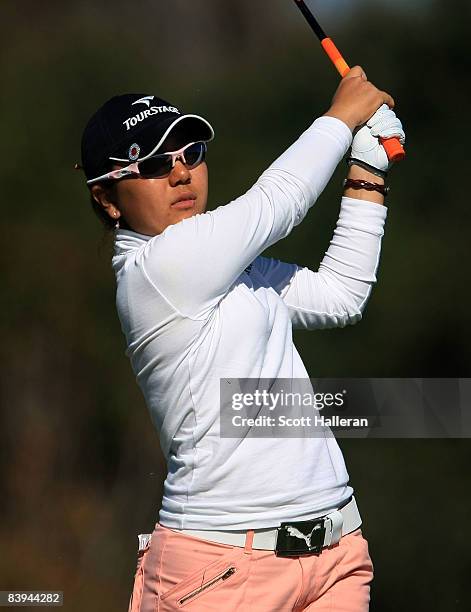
392	146
335	56
394	149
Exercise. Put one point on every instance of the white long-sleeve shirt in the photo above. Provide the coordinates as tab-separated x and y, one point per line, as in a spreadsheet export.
198	302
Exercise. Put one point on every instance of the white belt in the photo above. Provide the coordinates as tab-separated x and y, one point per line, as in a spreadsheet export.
337	524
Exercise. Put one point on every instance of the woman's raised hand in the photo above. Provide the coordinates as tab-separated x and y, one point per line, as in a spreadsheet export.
356	99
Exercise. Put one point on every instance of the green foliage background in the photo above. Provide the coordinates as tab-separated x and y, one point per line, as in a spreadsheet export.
81	470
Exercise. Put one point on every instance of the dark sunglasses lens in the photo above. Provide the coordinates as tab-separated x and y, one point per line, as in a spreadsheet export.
155	166
195	154
161	165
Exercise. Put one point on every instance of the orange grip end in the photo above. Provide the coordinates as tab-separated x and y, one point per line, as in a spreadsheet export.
394	149
335	56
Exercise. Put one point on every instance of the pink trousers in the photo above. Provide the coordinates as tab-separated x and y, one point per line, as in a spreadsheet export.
177	571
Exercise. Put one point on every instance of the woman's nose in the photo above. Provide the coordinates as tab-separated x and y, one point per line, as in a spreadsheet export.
179	173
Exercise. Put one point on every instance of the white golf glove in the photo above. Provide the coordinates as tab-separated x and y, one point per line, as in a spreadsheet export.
366	147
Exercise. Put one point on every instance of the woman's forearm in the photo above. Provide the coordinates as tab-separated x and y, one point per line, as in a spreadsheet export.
303	170
355	172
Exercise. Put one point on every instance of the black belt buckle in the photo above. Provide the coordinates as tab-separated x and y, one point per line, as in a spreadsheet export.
300	538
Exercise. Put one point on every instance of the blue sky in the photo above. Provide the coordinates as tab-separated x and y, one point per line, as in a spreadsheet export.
344	8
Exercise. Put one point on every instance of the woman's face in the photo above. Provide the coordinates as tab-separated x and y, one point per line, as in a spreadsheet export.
148	206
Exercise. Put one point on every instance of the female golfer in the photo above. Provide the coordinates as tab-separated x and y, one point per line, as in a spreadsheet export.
248	522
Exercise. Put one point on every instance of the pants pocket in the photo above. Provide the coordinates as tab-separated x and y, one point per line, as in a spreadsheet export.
203	581
137	590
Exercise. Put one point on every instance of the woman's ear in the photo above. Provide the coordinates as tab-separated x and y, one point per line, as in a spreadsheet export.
103	198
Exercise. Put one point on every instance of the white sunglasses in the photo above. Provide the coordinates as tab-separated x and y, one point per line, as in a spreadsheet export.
159	165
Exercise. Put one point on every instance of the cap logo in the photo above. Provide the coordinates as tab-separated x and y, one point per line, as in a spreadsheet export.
145	100
134	151
153	110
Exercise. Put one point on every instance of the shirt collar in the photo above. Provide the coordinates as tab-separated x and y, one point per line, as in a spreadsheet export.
126	241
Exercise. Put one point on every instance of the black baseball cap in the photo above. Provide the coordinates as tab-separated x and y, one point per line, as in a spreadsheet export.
132	127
